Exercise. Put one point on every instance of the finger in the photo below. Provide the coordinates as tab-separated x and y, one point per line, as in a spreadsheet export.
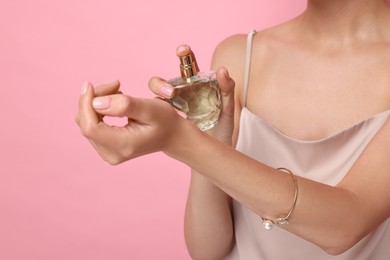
226	85
161	88
99	134
141	110
107	89
225	82
183	50
86	115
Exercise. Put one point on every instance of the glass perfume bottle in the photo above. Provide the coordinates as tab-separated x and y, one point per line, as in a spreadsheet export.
197	94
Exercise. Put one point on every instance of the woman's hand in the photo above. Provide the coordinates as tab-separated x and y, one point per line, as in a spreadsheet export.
153	125
223	131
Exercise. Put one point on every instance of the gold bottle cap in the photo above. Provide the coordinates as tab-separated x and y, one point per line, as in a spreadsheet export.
188	65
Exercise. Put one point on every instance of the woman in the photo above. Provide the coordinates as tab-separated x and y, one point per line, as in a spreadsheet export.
314	100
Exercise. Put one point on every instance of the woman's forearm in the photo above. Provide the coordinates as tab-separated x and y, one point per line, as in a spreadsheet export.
208	220
268	192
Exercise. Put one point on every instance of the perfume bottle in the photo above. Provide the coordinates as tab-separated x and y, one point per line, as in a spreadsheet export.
197	94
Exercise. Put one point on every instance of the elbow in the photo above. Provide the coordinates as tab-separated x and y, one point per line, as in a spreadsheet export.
201	256
208	254
199	250
339	244
336	250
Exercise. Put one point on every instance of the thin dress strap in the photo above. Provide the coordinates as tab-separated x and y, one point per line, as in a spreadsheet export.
247	65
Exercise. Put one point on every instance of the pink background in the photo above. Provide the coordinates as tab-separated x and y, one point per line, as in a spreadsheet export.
58	199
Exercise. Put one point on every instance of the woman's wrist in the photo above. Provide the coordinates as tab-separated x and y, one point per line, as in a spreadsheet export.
222	138
182	140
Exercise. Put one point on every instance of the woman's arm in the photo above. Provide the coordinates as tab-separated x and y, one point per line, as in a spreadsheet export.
209	228
208	218
334	218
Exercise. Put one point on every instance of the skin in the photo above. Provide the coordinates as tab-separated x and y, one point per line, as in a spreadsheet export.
335	59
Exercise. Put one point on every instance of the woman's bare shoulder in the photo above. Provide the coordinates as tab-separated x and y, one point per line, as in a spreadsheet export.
233	47
230	51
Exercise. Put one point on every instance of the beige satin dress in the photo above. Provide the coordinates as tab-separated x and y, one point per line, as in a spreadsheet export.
326	161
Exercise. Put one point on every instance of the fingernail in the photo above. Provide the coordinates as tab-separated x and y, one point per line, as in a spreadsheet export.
166	90
183	49
84	87
182	114
101	102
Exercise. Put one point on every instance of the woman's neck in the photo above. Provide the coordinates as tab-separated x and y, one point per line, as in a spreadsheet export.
342	22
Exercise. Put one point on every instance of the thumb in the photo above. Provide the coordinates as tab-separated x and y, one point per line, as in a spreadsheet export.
139	109
226	85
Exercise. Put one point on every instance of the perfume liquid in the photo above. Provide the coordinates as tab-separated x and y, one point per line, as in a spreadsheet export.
197	94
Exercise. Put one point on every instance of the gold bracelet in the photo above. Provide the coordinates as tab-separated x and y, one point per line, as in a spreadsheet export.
267	223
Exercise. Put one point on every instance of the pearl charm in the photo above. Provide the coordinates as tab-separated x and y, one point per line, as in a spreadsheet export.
268	224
